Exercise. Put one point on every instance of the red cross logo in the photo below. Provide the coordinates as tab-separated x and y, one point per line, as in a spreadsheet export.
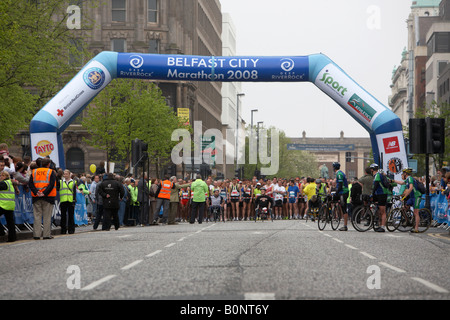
60	113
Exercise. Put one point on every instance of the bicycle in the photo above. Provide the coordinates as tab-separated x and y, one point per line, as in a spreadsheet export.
263	214
402	219
217	212
366	216
330	213
314	214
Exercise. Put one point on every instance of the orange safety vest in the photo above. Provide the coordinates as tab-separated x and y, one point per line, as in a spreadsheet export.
165	191
41	179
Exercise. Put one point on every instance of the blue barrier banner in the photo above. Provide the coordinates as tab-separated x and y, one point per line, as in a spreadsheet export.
440	211
80	210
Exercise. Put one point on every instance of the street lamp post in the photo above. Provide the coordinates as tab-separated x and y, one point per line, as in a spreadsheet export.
251	128
257	143
239	95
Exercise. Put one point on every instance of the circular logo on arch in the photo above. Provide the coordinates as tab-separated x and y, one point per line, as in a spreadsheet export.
44	148
94	78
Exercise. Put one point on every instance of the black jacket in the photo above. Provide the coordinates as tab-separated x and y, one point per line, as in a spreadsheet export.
114	189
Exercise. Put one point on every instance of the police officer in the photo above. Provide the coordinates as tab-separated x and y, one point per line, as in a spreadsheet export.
111	191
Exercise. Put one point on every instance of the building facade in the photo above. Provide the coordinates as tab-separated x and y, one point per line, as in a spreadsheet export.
354	154
412	70
185	27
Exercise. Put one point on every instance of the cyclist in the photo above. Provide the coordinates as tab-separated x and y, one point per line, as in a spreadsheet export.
380	195
313	203
321	190
342	192
412	195
263	201
216	201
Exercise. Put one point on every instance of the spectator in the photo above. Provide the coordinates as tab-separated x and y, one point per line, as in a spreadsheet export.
143	199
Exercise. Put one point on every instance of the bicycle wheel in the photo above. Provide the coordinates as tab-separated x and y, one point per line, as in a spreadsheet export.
336	215
362	219
425	220
323	218
406	222
393	219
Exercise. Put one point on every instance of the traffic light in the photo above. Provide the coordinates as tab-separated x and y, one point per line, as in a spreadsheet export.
138	152
237	173
417	136
435	136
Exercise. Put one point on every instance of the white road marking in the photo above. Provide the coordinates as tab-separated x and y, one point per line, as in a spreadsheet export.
431	285
259	296
367	255
131	265
97	283
170	245
153	253
392	267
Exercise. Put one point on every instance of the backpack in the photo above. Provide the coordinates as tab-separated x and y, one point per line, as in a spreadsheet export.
419	186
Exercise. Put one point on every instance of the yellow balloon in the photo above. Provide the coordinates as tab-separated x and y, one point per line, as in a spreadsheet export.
93	168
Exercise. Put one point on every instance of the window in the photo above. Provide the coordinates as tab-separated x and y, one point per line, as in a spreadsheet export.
118	45
119	11
75	160
152	11
154	46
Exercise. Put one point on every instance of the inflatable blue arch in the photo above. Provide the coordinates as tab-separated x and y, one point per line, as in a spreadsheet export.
384	127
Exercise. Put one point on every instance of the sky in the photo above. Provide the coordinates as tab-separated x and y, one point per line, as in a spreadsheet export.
365	38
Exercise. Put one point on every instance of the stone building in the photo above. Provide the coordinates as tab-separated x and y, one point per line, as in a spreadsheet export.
185	27
354	154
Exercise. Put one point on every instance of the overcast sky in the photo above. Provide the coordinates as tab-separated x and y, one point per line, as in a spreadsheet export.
364	37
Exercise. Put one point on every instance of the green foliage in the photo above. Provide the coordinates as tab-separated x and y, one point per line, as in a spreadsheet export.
293	163
35	44
128	110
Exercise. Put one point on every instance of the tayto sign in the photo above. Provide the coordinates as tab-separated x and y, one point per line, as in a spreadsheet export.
391	145
44	148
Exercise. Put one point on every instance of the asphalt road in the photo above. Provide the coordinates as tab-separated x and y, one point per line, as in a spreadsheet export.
281	260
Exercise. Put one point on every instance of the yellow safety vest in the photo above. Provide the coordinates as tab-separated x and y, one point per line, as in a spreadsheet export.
8	197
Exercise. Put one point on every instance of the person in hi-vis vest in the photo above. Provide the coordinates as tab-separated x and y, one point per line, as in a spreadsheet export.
7	205
67	199
163	200
43	190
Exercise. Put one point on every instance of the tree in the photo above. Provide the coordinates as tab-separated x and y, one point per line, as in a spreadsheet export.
35	46
292	163
128	110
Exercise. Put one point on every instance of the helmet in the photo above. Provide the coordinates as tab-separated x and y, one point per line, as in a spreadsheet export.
407	171
374	166
336	165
